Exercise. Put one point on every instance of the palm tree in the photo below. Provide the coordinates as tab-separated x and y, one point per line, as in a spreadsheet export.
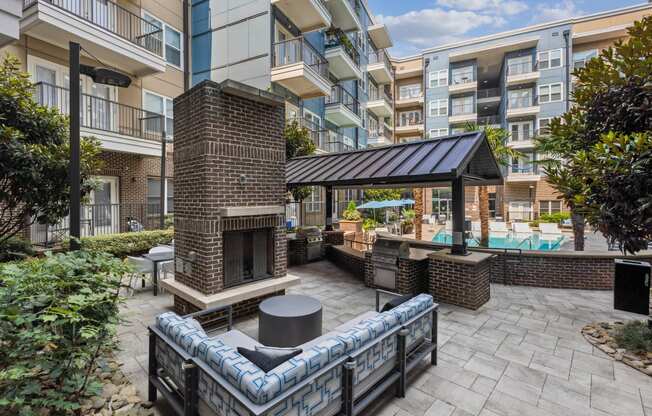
497	139
417	193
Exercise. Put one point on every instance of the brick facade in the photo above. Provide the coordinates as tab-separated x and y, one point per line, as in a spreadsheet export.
351	260
297	251
229	153
459	283
411	277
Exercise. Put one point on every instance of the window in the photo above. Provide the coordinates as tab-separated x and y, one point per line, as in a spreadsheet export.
492	205
550	93
442	203
172	52
462	105
581	58
409	118
520	131
462	75
550	59
549	207
544	126
458	130
519	98
159	104
439	108
520	210
313	202
438	132
154	195
438	78
405	92
519	65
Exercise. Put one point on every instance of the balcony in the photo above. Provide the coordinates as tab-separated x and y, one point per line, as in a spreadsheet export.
380	36
379	67
409	99
492	121
410	126
11	11
298	66
307	15
381	136
522	73
119	127
462	113
462	85
527	173
345	14
489	95
343	58
111	33
380	103
337	143
342	108
522	107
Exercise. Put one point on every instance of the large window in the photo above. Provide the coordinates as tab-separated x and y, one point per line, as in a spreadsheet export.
544	126
519	65
550	59
519	98
550	93
159	104
462	75
409	118
439	108
580	59
438	78
549	207
171	38
442	202
462	105
405	92
438	132
313	202
154	195
520	131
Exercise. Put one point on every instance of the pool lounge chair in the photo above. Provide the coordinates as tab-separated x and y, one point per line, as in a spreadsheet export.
550	234
498	227
549	228
521	228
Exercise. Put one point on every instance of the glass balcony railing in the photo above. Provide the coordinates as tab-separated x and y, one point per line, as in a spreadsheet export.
113	18
98	113
527	169
462	109
341	96
294	51
521	68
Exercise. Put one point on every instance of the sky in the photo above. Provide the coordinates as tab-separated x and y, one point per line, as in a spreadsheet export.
418	24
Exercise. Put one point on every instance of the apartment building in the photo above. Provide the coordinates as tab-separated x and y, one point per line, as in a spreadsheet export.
326	57
143	39
517	80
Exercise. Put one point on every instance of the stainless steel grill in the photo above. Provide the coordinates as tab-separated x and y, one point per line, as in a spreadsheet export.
314	241
384	258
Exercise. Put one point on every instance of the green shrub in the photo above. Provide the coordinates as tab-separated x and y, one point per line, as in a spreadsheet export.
15	249
634	336
556	218
369	224
169	221
351	213
126	244
57	316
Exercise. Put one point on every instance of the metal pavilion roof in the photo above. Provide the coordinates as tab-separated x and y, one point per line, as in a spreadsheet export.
427	162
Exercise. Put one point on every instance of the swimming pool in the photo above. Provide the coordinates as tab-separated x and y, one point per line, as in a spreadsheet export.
529	242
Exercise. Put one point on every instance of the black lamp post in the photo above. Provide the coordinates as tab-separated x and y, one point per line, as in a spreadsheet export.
105	76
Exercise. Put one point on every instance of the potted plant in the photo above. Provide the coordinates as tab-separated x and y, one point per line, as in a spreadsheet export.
407	225
352	220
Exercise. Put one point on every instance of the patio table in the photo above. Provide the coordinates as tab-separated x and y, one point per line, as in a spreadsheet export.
289	320
156	258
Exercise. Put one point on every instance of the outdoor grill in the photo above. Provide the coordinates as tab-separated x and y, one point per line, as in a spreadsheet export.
384	259
314	242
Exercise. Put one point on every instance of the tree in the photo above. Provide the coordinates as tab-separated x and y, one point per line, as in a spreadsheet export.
497	139
34	156
612	94
382	194
297	144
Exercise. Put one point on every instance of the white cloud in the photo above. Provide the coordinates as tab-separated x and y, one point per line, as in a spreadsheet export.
507	7
563	10
416	30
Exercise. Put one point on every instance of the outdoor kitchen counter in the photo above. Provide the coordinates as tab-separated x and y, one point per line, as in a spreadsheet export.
420	253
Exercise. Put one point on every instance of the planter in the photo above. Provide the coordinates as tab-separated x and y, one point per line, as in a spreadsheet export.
350	226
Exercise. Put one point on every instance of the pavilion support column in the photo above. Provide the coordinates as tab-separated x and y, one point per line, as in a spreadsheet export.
329	208
459	242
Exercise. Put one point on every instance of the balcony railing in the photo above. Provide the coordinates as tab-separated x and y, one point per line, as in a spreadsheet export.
380	94
318	134
341	96
380	56
380	132
297	50
521	68
340	39
98	113
410	94
529	169
462	78
488	120
462	109
489	93
413	121
101	219
112	17
522	102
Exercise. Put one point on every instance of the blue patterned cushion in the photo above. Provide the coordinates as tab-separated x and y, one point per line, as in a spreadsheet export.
367	330
412	307
187	332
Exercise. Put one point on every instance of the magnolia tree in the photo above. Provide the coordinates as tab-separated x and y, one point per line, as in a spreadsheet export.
601	147
298	143
34	156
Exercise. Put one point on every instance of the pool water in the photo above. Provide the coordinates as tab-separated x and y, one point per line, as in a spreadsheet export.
529	242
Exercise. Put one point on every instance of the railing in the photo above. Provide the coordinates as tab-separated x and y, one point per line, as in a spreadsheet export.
339	39
521	68
383	131
380	56
380	94
489	93
410	94
529	169
100	219
488	120
113	18
337	144
409	122
522	102
341	96
294	51
462	109
317	133
460	78
98	113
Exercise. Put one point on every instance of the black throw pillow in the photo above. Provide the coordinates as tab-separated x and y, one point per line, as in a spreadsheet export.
268	360
395	302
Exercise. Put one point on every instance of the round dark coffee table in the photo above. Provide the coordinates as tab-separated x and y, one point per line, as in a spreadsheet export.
289	320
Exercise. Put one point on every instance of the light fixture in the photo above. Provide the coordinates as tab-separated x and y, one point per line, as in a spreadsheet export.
106	76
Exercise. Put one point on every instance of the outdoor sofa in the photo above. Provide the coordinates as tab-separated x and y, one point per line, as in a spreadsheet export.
342	371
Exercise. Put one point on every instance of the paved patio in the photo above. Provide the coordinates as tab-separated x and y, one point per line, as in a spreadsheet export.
521	354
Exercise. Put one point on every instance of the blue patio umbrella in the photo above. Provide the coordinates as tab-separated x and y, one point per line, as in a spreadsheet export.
370	205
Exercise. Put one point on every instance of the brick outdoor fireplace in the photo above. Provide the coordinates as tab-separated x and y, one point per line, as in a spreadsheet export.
229	198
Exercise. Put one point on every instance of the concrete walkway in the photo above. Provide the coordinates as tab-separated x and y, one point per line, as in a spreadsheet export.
521	354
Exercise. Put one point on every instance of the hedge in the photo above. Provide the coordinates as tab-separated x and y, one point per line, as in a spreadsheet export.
126	244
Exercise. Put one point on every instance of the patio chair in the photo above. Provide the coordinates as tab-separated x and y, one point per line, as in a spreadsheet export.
141	267
549	228
521	228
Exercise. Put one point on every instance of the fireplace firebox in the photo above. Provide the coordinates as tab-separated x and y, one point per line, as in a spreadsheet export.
248	256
